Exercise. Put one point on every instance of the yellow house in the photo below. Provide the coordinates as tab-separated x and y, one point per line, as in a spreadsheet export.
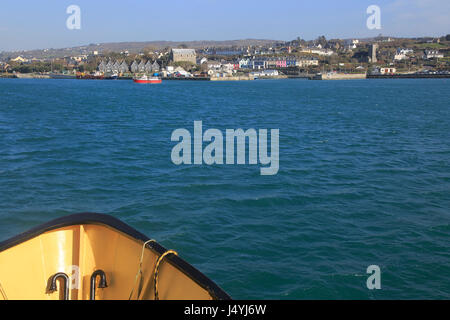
19	59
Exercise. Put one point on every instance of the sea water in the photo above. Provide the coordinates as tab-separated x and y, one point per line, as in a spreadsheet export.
363	179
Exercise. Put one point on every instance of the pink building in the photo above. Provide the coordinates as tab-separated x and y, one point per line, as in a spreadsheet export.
281	63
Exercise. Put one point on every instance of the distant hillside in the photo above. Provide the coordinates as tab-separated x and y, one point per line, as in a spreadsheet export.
136	46
133	47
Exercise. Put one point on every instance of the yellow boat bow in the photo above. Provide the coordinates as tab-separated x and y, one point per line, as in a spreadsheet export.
96	256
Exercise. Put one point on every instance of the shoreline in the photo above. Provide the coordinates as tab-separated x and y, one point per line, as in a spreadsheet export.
336	76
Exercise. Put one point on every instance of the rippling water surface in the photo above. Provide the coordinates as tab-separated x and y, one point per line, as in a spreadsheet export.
364	178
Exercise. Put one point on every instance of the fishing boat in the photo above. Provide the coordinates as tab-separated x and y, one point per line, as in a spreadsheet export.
114	76
92	256
148	79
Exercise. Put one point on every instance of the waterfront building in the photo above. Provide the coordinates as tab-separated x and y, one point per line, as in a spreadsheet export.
271	63
214	65
109	66
148	67
307	61
291	62
156	67
270	73
388	70
134	67
228	67
281	63
124	67
245	63
179	71
141	67
265	73
102	67
183	55
116	67
259	63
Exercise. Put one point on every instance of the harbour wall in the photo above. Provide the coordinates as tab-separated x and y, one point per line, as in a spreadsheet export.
407	76
239	78
342	76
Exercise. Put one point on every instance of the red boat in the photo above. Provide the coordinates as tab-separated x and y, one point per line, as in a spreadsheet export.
146	79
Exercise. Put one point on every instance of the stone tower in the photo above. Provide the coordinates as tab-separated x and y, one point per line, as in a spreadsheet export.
373	53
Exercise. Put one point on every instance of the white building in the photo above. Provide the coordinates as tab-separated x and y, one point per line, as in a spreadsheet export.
201	61
245	63
351	44
320	52
214	65
79	58
265	73
270	73
227	67
432	54
388	70
402	54
181	72
307	61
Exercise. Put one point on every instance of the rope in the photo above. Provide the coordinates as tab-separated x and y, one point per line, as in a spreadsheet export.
158	262
139	272
3	292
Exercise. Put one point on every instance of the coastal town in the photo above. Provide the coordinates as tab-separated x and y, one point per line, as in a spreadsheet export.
314	59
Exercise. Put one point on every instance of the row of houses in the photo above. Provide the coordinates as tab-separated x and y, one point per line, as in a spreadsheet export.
277	62
122	67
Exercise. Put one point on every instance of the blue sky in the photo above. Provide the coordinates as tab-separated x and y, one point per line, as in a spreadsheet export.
42	24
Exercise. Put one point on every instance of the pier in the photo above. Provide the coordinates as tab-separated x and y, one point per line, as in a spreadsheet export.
409	76
187	78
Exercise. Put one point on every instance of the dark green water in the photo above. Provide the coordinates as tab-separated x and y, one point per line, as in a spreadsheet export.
364	178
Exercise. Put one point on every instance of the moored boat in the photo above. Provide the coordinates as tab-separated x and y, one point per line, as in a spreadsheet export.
97	257
114	76
148	79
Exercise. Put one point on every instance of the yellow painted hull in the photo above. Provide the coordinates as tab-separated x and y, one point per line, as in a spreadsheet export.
79	245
